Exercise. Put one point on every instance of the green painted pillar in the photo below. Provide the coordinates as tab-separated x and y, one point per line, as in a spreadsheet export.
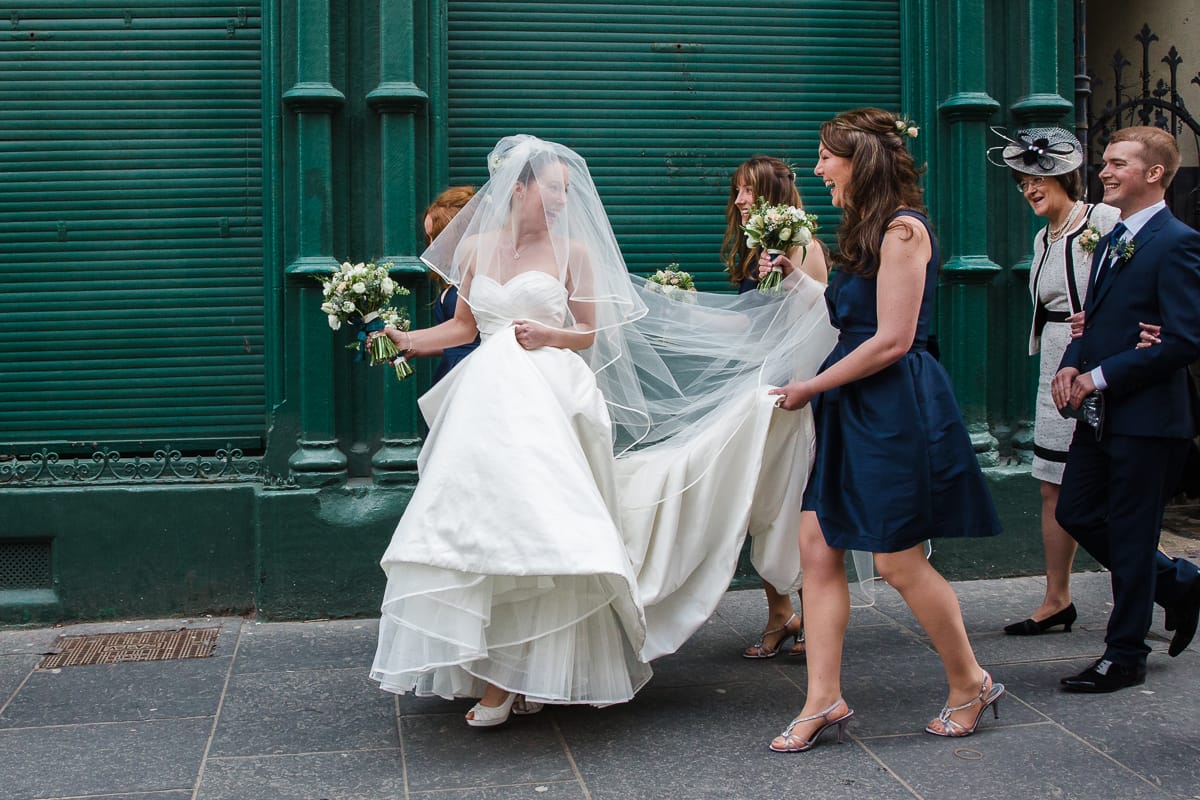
398	101
964	314
1036	82
1048	45
313	101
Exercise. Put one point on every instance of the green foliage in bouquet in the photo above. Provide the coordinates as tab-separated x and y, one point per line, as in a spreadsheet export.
359	295
778	228
673	279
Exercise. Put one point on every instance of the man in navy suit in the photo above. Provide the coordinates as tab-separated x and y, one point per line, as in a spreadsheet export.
1120	475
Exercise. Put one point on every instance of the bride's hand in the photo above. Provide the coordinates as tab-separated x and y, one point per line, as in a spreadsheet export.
531	335
795	395
402	339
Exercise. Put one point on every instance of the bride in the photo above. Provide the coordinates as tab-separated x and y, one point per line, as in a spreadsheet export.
592	469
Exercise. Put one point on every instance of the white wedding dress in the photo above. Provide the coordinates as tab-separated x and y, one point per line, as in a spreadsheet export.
532	558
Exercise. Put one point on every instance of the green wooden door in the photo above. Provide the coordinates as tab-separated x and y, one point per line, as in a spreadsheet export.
664	99
131	290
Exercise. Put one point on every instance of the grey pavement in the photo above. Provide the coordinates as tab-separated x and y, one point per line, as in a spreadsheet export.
285	711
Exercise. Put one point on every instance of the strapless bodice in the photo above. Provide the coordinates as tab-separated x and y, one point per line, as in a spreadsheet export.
533	295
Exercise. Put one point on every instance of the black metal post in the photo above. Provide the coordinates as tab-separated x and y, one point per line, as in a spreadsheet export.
1083	88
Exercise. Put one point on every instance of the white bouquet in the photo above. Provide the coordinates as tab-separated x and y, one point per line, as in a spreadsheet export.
673	281
358	294
777	229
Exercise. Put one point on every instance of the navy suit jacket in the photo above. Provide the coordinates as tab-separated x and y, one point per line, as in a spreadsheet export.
1149	391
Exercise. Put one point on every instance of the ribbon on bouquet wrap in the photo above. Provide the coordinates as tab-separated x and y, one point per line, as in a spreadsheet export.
370	323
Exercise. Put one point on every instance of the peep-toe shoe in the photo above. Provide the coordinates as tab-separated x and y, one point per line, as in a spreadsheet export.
490	716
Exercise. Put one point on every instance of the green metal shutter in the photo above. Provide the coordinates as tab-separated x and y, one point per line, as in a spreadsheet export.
665	99
131	286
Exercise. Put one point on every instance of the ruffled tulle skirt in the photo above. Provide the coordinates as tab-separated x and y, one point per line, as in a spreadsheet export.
508	566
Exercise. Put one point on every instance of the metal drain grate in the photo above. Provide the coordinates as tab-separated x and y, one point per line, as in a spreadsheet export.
115	648
25	565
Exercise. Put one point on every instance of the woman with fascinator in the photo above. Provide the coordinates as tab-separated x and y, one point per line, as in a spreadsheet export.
604	450
1045	163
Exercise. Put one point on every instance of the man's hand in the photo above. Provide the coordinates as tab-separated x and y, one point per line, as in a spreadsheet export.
1060	387
1081	387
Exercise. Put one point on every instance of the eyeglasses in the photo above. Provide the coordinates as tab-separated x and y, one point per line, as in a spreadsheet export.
1032	183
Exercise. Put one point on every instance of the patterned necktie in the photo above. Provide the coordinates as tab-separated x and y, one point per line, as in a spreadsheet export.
1118	233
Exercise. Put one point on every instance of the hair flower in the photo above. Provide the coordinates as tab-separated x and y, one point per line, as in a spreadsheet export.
907	127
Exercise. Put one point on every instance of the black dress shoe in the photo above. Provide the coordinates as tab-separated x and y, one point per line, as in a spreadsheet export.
1105	676
1184	616
1032	627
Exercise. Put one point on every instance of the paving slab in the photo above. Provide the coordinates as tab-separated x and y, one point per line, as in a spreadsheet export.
292	715
356	775
711	742
13	671
132	691
1035	761
1147	728
902	694
289	646
441	752
530	791
108	759
307	711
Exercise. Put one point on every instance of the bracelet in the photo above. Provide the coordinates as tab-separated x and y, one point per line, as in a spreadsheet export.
409	346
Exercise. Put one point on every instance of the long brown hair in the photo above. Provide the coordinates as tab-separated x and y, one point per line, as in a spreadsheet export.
884	179
769	178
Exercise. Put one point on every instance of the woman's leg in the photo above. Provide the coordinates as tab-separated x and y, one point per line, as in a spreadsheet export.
780	624
1060	555
826	599
935	606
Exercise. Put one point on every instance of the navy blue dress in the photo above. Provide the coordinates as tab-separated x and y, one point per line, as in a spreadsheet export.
894	464
443	310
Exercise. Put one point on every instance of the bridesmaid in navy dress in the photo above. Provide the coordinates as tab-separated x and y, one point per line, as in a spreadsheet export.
437	217
894	463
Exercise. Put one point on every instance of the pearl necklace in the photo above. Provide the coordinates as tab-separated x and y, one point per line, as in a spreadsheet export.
1072	218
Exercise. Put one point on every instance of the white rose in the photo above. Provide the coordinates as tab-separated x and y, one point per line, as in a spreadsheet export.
328	308
785	234
346	266
913	131
359	288
387	285
347	306
803	237
334	322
